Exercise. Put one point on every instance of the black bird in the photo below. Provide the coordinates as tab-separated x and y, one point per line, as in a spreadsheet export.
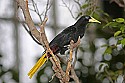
60	42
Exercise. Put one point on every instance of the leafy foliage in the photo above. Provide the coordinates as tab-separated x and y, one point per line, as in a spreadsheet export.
115	50
113	30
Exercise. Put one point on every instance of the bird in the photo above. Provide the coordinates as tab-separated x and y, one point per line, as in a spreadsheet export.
60	43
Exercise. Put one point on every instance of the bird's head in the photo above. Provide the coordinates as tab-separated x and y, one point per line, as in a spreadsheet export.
84	20
89	19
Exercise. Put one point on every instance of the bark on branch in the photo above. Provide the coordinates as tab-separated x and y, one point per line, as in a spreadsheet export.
24	6
69	66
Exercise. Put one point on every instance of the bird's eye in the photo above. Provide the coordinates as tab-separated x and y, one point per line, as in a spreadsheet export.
87	18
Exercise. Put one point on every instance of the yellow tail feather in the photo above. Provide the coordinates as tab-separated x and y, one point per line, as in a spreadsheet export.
39	63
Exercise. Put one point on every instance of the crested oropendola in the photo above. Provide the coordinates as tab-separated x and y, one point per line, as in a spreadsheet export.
60	42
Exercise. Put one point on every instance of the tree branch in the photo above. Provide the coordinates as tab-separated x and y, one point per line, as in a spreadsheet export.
25	27
120	3
75	59
36	9
72	46
74	76
68	9
22	4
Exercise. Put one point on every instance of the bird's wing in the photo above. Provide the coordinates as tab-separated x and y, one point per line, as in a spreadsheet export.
64	37
69	30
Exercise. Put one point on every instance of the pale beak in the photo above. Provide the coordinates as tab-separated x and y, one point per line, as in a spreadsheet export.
94	20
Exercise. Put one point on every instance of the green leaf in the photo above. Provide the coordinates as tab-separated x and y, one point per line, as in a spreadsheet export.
104	13
123	41
119	20
111	24
84	6
105	45
117	33
122	29
119	42
96	15
108	50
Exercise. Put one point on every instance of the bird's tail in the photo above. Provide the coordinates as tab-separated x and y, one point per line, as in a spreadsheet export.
39	63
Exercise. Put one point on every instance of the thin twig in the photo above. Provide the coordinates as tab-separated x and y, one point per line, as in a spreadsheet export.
74	76
75	59
47	8
68	8
29	32
78	3
120	3
72	46
69	62
93	6
36	9
108	75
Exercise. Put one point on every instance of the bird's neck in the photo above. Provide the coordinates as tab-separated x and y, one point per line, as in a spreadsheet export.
80	25
80	29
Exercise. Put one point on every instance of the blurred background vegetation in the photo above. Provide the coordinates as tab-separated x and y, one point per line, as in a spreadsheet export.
101	55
